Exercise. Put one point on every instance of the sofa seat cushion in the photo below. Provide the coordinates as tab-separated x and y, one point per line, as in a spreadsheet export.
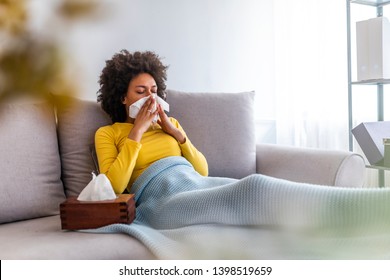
221	126
30	184
43	238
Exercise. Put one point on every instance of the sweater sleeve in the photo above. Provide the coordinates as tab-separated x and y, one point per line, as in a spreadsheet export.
117	166
191	153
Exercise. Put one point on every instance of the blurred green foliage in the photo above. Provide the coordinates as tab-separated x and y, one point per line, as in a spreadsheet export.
29	63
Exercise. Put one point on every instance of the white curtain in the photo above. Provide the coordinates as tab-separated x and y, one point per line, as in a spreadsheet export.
311	83
311	73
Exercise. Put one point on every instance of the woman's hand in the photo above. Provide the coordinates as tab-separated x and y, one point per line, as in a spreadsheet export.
168	127
144	119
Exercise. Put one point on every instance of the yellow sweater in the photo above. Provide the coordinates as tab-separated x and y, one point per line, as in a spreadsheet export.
123	160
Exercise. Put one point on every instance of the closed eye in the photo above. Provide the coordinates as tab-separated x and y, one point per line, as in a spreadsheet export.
142	89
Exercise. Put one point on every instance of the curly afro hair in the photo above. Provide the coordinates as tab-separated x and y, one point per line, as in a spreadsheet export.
117	74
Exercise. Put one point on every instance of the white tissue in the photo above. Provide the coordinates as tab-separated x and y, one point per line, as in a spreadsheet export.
136	106
99	188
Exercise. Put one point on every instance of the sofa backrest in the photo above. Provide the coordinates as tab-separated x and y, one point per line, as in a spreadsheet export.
220	125
30	168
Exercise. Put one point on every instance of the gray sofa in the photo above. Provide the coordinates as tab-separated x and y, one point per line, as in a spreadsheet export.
47	154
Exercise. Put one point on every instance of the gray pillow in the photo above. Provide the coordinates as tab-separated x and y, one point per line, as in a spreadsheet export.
30	184
221	126
78	121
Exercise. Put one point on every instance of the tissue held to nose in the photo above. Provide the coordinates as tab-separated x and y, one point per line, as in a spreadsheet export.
136	106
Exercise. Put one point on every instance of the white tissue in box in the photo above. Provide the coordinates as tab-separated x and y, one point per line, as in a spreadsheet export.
99	188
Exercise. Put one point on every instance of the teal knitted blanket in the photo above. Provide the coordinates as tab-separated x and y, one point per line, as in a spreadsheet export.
183	215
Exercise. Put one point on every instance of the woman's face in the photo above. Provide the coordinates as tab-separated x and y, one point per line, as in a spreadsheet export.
140	86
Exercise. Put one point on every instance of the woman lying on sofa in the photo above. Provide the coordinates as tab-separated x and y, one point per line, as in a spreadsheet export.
149	154
129	146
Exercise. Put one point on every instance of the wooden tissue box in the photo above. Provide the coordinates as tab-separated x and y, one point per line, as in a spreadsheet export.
93	214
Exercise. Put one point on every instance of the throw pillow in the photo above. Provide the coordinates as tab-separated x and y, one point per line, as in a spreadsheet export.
221	126
30	184
78	121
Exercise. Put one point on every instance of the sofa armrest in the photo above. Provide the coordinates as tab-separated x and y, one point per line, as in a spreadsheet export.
308	165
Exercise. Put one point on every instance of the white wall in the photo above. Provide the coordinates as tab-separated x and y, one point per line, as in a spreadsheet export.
210	45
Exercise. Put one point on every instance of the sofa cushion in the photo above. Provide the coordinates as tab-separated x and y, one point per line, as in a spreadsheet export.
43	239
30	184
221	126
78	121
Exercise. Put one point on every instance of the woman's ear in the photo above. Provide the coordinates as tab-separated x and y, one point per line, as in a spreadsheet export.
124	100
